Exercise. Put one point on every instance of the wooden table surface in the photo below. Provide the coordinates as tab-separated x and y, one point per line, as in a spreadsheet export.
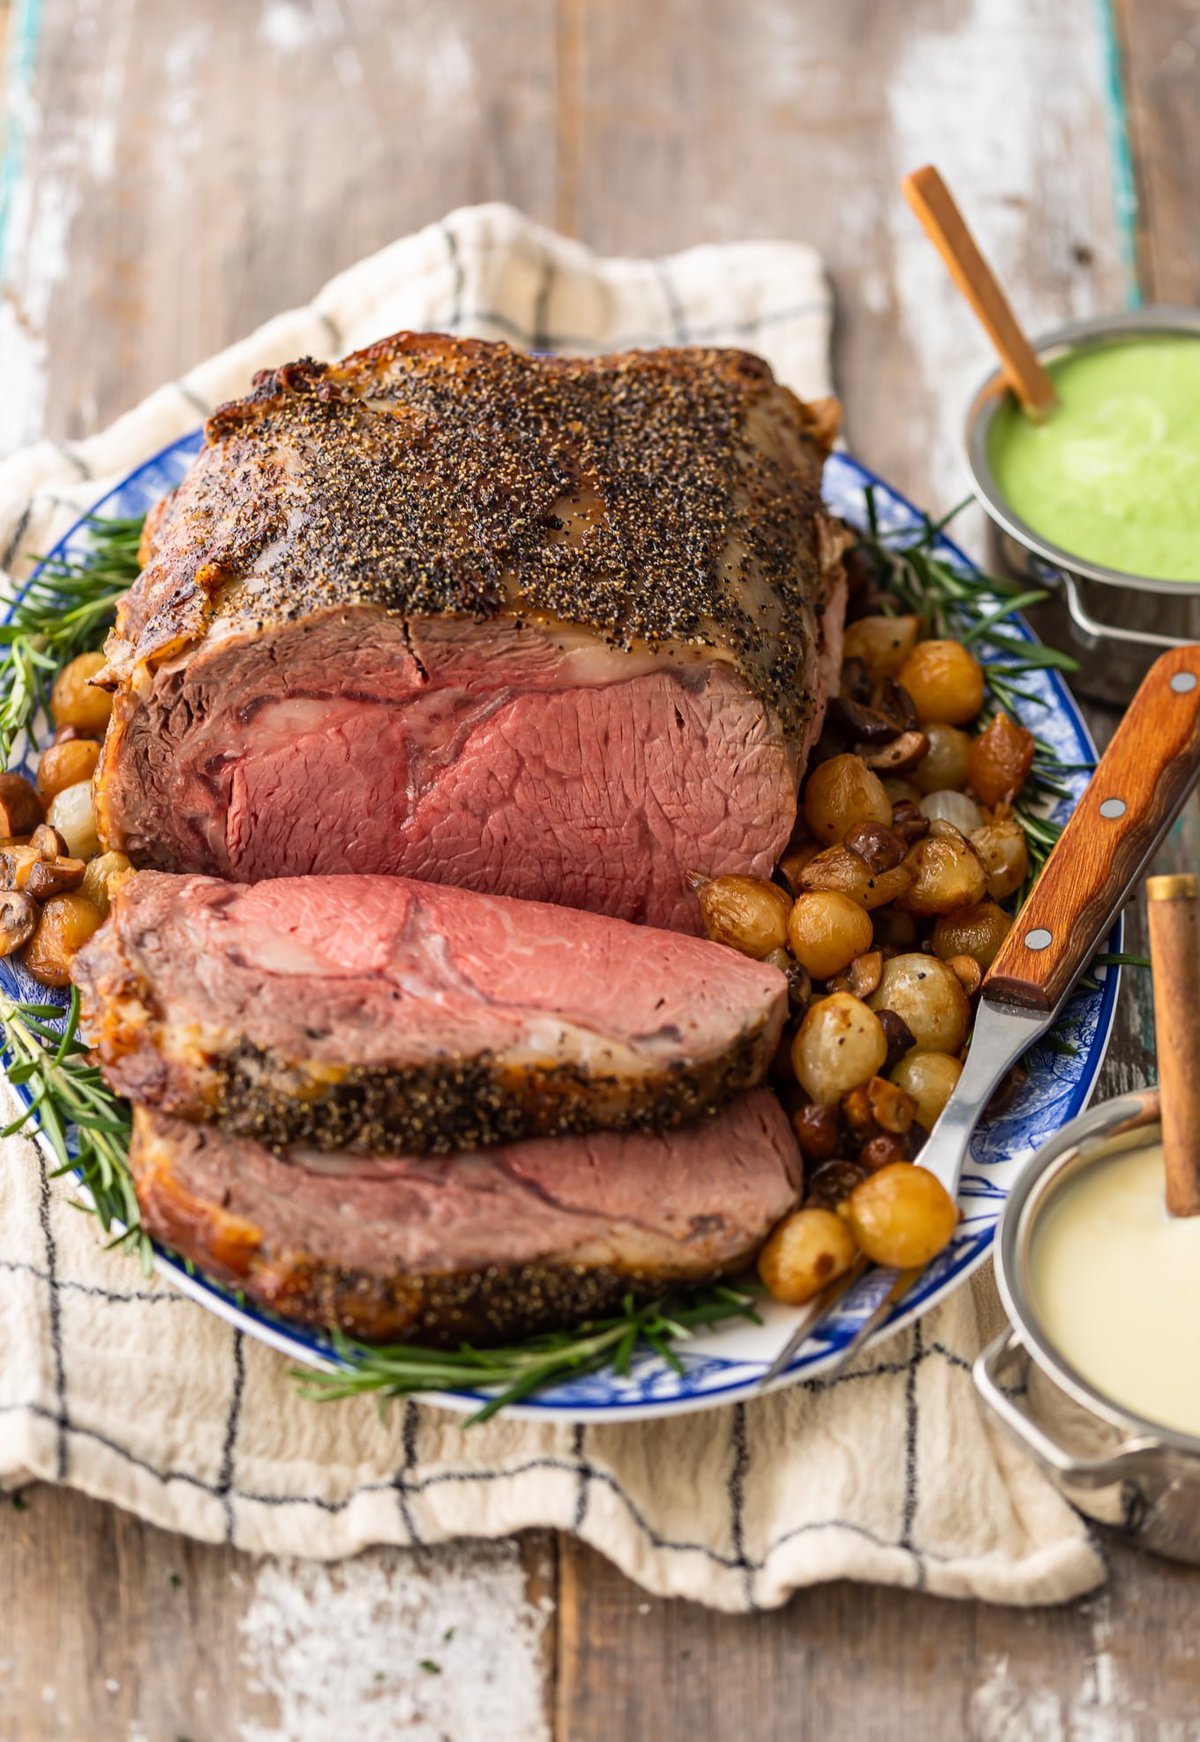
175	171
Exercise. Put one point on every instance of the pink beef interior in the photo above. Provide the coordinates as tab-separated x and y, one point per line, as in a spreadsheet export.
484	755
673	1203
559	628
381	970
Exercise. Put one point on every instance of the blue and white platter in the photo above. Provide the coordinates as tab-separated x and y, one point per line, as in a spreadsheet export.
728	1362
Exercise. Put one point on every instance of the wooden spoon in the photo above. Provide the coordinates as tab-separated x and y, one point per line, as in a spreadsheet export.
946	228
1173	912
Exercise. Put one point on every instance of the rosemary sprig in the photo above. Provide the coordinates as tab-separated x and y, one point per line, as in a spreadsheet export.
65	609
962	603
69	1099
514	1373
978	609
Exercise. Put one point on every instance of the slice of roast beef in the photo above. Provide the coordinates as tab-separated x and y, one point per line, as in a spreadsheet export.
557	628
486	1247
375	1013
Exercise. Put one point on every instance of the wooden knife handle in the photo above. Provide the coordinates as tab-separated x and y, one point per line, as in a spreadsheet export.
1129	804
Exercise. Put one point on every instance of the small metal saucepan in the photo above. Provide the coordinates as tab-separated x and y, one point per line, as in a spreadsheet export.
1114	622
1116	1467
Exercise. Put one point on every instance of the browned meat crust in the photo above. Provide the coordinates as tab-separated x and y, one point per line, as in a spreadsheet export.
436	1109
660	497
483	1248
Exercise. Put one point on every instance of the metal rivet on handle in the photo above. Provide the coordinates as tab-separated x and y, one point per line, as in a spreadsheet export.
1113	807
1039	938
1183	681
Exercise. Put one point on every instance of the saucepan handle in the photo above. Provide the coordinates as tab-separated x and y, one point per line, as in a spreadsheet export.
1136	793
1008	1353
1097	633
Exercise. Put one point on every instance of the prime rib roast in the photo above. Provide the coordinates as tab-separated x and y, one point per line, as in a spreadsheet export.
384	1015
421	632
556	628
485	1246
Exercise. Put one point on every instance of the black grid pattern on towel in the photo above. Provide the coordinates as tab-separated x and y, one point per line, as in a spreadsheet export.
12	548
224	1487
404	1475
727	1553
54	1316
408	1480
410	1483
532	338
196	400
74	459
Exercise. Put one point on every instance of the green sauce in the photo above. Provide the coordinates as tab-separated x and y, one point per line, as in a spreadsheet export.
1113	475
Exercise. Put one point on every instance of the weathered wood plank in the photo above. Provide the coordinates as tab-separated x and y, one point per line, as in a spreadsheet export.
701	122
185	173
95	1607
110	1629
196	171
866	1661
1161	43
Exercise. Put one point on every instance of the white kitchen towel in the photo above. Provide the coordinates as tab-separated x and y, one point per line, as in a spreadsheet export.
123	1388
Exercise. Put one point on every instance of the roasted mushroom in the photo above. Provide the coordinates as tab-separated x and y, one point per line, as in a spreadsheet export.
18	918
20	806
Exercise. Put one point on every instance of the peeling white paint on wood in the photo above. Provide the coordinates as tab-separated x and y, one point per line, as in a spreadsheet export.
1100	1711
36	258
285	26
448	67
441	1647
976	99
181	94
108	30
34	240
1014	1704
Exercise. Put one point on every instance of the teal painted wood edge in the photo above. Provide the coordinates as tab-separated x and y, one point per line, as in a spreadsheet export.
1125	198
22	62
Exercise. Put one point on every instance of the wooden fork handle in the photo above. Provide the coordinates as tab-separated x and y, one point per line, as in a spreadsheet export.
1136	793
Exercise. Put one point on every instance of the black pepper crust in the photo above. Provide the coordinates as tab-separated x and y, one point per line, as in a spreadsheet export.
490	1306
501	1304
663	498
465	1104
436	1108
487	1308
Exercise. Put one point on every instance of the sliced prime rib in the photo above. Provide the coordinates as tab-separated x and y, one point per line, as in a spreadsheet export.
487	1246
377	1013
557	628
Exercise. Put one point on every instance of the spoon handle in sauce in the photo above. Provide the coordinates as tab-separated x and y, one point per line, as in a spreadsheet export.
1173	913
1136	793
940	218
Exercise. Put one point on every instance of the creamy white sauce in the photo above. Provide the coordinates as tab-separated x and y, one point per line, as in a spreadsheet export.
1116	1287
